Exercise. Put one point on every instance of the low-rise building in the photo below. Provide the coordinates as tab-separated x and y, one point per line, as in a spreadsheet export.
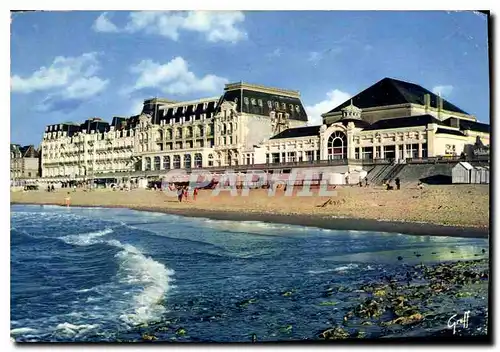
24	162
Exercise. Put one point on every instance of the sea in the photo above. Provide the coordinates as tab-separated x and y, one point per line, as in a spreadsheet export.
110	275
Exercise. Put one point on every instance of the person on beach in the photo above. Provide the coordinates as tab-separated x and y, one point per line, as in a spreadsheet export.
185	192
52	188
179	194
398	183
195	193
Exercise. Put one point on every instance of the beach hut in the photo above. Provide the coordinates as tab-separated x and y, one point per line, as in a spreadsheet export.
461	173
480	174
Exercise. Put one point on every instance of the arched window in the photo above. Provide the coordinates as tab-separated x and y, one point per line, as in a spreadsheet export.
198	159
178	132
210	160
177	161
166	162
148	163
169	134
160	135
337	146
187	161
157	163
189	132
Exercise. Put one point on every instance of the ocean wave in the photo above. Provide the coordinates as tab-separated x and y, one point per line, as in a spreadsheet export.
86	239
138	270
70	330
346	267
337	269
19	331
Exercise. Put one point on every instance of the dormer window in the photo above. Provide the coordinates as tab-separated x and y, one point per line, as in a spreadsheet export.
291	107
205	106
254	102
184	109
297	108
283	105
179	109
260	102
236	100
245	100
277	105
269	104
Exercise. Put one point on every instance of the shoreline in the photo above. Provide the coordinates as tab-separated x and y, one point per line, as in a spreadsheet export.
310	220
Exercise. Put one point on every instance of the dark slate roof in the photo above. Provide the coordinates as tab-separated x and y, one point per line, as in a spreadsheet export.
474	126
96	124
191	109
119	122
298	132
446	131
402	122
257	102
390	91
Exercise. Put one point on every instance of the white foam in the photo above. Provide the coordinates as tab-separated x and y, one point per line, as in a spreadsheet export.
18	331
69	330
139	270
86	239
346	267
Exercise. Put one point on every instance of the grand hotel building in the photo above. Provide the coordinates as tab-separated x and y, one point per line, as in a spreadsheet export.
252	125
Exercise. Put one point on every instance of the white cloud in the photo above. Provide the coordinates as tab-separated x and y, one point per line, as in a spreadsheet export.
275	53
136	107
334	98
444	90
103	24
314	57
174	77
215	25
66	79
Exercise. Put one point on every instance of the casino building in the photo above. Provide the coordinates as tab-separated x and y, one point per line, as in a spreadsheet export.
257	127
391	119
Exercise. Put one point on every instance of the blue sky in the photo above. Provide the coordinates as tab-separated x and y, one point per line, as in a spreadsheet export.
69	66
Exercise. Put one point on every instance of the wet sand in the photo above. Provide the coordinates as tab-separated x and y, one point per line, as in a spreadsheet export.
451	210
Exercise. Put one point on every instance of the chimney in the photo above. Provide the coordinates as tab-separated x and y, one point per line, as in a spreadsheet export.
439	105
427	102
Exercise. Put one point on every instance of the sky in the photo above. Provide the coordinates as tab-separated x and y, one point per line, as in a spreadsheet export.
70	66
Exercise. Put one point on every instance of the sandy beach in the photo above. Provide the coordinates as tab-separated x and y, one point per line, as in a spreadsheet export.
451	210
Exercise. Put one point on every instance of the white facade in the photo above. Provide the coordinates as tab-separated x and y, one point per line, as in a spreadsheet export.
86	154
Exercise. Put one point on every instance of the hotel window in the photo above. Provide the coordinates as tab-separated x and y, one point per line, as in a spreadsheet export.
254	102
148	164
248	159
277	105
292	157
157	163
267	158
337	146
309	155
177	161
356	153
424	150
367	153
389	152
275	158
260	102
411	151
245	100
297	108
187	161
210	160
269	104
